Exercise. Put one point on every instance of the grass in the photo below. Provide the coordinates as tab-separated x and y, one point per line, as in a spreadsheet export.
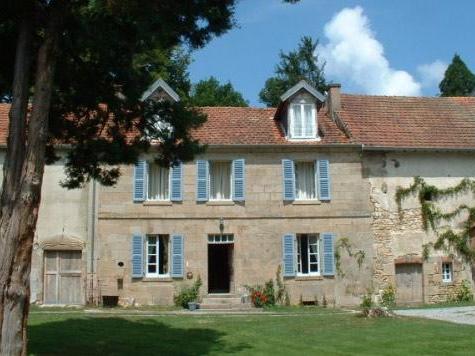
315	331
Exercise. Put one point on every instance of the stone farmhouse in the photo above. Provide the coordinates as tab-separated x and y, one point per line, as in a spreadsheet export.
307	189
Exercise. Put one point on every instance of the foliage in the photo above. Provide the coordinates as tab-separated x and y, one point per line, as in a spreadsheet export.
262	295
462	293
366	304
458	79
210	92
108	53
388	296
281	294
433	217
188	294
344	243
294	66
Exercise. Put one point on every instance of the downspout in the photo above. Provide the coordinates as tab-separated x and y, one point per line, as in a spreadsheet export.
93	240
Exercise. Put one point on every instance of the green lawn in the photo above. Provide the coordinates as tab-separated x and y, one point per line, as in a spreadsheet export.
308	332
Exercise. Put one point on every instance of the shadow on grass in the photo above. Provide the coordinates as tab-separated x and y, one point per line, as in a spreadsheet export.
117	336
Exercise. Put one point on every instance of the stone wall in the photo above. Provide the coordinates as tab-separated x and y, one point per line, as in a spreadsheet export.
400	234
258	226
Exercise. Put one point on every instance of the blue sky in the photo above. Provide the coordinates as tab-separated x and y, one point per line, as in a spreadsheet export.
371	47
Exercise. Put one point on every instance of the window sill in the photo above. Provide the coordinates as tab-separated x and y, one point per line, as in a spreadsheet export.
300	139
157	203
157	279
309	278
220	202
306	202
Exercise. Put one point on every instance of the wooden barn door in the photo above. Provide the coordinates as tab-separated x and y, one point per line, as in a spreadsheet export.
409	283
62	280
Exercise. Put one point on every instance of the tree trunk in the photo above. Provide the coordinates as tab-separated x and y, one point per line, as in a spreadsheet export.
19	216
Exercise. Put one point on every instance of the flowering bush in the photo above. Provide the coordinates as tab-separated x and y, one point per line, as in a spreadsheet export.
262	295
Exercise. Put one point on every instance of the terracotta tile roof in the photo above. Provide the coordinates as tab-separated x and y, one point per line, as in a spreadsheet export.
256	126
413	122
409	122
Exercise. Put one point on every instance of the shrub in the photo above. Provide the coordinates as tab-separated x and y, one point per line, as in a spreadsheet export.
366	304
188	294
262	295
462	293
388	296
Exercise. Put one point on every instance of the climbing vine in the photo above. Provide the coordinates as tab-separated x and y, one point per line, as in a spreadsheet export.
345	244
433	217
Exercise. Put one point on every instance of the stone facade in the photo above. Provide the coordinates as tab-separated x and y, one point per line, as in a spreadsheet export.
257	224
398	235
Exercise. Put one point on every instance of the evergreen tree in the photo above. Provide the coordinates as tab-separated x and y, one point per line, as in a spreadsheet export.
293	67
458	79
209	92
78	70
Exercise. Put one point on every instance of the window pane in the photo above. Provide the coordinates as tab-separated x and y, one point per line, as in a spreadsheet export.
305	180
309	121
297	124
158	179
163	254
313	267
220	180
152	269
152	259
313	259
304	253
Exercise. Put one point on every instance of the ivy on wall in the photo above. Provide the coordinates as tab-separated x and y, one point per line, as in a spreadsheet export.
345	244
434	218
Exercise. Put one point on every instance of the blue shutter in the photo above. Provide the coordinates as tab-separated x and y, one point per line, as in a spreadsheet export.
239	176
137	256
140	181
177	256
288	177
288	255
202	184
328	253
176	182
323	174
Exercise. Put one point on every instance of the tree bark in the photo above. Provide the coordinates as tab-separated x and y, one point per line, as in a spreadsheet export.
19	216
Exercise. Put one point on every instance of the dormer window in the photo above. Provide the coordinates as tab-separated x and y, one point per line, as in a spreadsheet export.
298	110
302	120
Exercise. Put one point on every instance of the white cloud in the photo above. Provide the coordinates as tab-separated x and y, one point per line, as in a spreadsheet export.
354	54
432	74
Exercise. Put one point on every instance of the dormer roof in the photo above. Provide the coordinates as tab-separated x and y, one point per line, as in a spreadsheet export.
302	85
160	86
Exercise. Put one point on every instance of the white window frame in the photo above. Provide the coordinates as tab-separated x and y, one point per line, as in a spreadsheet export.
147	181
314	181
157	274
301	103
299	266
219	239
447	272
231	179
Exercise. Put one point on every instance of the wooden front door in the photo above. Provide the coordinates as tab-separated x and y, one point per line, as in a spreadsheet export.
409	283
62	279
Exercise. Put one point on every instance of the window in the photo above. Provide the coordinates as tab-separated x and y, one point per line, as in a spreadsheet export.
308	259
447	272
302	120
220	180
158	182
157	255
221	239
305	181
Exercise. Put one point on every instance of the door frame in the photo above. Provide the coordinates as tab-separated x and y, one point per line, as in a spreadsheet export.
82	276
221	239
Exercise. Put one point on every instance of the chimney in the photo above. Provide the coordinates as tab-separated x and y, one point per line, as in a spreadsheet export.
333	100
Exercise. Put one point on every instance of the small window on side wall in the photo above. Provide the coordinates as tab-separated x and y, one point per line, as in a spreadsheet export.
447	272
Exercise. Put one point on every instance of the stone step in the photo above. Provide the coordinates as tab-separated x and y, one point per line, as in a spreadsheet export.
234	307
227	300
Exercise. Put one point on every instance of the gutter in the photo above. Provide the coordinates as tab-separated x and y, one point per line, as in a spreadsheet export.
417	149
